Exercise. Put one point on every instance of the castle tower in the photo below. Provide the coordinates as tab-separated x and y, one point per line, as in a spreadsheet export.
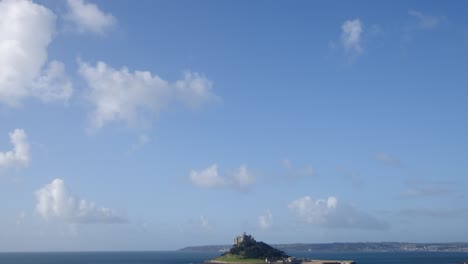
239	239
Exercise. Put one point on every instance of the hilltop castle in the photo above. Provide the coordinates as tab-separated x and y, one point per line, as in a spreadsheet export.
241	238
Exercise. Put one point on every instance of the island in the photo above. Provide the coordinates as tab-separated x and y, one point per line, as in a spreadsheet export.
246	250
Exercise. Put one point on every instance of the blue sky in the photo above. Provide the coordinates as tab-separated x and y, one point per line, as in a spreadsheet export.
155	125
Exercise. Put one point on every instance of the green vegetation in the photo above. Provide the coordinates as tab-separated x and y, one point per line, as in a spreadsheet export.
249	249
237	258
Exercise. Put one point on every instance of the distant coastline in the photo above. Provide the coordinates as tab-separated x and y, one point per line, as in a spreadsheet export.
350	247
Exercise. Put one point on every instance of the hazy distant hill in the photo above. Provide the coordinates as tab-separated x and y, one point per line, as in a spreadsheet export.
209	248
350	247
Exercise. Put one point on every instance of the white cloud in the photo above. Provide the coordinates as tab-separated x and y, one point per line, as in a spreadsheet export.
87	17
351	32
193	90
53	84
387	159
209	178
19	155
242	177
266	221
329	213
205	224
54	201
121	95
426	21
26	31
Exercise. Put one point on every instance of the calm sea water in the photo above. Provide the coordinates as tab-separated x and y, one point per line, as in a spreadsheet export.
196	258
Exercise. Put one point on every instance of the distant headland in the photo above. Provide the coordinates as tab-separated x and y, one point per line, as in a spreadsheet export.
246	250
351	247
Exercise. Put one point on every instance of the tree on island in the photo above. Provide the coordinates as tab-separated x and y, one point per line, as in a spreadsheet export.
248	248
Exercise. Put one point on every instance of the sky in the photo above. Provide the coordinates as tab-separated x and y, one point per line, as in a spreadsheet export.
155	125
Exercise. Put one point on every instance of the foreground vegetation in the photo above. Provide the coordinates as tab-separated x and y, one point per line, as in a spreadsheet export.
251	249
237	258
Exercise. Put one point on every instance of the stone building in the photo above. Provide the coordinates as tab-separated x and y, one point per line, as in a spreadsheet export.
241	238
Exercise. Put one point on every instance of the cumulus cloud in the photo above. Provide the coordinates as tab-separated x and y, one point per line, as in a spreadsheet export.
87	17
53	84
209	178
193	90
26	31
242	177
266	221
331	214
55	201
351	32
19	155
122	95
387	159
426	21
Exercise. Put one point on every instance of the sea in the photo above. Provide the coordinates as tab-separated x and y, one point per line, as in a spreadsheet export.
177	257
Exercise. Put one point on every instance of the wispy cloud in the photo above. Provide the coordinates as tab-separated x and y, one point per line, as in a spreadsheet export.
21	217
417	190
305	171
387	159
331	214
426	21
266	221
241	178
436	213
351	32
87	17
196	226
142	140
204	224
